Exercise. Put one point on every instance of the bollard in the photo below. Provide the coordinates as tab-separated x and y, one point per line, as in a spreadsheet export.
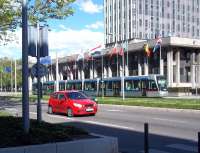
146	138
198	142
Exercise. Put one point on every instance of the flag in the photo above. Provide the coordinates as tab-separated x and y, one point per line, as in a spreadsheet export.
7	69
147	49
45	60
114	50
121	51
97	47
158	44
80	56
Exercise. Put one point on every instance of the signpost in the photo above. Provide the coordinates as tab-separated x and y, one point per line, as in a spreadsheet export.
42	71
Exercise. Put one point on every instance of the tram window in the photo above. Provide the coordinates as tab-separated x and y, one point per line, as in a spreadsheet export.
109	85
128	85
78	86
152	85
136	85
90	86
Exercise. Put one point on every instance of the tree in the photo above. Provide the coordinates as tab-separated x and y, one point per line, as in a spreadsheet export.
38	11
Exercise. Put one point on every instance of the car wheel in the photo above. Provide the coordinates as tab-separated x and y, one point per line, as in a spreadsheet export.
50	111
70	112
92	114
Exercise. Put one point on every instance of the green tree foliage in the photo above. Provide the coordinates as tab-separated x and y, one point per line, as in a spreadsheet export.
38	11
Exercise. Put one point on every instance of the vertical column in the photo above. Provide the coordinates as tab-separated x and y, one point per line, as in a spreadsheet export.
95	73
192	68
91	73
61	76
79	74
139	65
170	68
146	66
109	71
30	81
71	75
126	70
120	70
198	69
105	72
177	56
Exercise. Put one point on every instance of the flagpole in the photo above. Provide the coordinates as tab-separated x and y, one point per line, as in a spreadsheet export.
75	70
123	96
11	75
117	65
92	68
15	76
57	84
161	62
1	81
102	75
83	75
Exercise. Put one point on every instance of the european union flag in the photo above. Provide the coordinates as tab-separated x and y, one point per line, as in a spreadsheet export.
7	69
45	60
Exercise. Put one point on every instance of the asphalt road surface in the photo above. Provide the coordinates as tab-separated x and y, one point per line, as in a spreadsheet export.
170	131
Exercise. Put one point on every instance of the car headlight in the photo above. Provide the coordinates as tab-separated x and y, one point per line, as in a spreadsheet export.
78	105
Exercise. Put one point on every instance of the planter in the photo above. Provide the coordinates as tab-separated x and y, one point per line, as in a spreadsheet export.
101	144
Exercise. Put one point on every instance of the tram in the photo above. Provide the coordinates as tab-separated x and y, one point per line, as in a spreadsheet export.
134	86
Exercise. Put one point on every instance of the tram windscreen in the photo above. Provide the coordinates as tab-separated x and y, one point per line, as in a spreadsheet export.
162	83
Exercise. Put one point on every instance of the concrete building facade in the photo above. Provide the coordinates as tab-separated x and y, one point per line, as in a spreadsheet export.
143	19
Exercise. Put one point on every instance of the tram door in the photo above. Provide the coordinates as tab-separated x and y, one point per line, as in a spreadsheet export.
144	87
116	88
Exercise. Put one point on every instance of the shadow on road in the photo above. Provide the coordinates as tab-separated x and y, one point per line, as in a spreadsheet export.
132	141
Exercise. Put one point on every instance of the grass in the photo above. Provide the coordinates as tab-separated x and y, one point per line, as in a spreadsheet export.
11	132
139	101
153	102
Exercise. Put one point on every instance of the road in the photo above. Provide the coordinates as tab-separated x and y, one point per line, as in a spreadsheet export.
171	131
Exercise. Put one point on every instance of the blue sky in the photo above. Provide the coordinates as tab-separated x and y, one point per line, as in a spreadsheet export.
82	31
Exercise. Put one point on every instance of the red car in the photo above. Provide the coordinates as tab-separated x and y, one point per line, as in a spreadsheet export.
72	103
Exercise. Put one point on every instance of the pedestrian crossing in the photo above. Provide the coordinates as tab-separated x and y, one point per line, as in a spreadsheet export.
173	148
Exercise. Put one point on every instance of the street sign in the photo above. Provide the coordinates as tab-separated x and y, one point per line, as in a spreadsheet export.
42	70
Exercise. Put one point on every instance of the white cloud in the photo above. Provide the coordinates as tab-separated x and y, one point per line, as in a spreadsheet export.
13	48
63	27
65	42
89	7
73	41
96	25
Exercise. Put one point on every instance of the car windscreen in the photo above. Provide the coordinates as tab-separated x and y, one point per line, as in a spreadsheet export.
76	95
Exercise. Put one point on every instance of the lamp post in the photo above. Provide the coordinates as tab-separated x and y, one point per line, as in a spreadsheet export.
25	91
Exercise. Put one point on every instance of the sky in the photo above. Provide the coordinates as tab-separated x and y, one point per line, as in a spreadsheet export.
80	32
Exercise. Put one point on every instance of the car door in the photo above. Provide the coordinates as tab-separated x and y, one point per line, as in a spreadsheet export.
62	103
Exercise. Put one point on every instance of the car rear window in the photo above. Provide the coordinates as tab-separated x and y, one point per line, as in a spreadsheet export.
76	95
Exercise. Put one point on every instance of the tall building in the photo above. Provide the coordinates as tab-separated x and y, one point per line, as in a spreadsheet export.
144	19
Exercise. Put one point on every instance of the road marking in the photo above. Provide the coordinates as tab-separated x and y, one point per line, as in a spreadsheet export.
12	109
106	124
60	117
183	147
169	120
93	122
155	151
114	110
